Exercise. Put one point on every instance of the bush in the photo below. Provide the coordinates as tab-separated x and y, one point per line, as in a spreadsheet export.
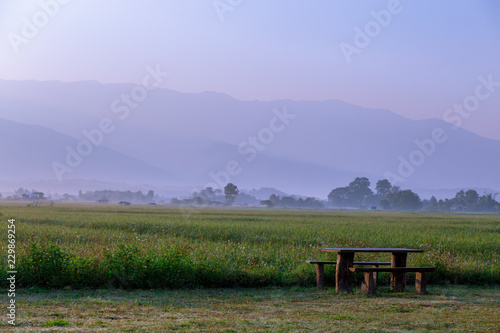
45	266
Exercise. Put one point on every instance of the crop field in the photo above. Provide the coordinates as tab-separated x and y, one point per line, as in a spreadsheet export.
67	253
154	247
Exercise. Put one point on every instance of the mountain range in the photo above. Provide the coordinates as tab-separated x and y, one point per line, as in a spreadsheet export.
123	133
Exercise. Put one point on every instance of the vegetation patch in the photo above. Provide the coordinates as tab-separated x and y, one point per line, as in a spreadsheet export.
55	322
79	246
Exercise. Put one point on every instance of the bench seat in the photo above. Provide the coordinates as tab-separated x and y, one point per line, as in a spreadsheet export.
369	282
392	269
355	263
320	271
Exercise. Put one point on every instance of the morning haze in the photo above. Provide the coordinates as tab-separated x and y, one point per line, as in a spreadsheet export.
297	96
250	165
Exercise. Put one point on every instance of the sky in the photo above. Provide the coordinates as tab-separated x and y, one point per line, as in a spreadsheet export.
421	59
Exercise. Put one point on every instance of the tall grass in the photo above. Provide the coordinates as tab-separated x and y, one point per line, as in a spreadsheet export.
156	247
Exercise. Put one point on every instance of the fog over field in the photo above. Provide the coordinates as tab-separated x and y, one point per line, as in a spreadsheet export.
296	96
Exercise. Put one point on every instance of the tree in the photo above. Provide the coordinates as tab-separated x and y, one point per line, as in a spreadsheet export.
383	187
395	189
20	191
267	203
208	194
275	199
244	199
288	202
487	203
340	197
231	192
176	201
460	198
355	195
360	191
312	203
404	200
471	199
431	204
385	204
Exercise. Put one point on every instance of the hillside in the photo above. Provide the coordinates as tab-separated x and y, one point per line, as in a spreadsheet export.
306	147
38	153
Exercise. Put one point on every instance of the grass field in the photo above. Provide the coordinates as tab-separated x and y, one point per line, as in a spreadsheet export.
85	246
152	268
451	308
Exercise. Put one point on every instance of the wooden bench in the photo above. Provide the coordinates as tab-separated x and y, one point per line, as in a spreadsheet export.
369	282
320	269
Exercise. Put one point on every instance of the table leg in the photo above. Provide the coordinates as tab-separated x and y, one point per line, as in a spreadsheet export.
343	276
398	279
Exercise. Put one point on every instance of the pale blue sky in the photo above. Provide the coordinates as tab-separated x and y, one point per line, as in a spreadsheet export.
427	58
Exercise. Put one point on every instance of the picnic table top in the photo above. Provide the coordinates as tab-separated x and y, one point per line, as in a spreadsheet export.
368	249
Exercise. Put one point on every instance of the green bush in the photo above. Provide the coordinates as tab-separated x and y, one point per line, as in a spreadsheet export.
45	266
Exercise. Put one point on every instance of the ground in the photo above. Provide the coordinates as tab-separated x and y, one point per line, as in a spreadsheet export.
451	308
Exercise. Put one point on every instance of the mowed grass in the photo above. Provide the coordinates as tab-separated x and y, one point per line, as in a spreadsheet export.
145	247
451	308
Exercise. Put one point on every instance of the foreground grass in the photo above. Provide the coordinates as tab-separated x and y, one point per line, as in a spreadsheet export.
447	308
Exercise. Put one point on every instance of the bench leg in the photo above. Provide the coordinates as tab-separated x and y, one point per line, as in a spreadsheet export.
368	285
320	276
421	283
375	276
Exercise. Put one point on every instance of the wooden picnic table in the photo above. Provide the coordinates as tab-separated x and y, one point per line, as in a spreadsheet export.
345	259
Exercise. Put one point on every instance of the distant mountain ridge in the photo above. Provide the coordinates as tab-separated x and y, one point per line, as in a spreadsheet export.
303	147
34	150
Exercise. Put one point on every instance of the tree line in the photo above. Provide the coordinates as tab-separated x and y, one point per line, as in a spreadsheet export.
211	196
292	202
468	200
356	195
389	197
231	195
111	195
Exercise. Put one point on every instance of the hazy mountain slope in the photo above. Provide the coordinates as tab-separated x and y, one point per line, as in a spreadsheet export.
287	175
30	152
323	144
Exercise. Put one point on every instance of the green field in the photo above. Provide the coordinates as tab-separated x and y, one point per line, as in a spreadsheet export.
150	268
85	246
